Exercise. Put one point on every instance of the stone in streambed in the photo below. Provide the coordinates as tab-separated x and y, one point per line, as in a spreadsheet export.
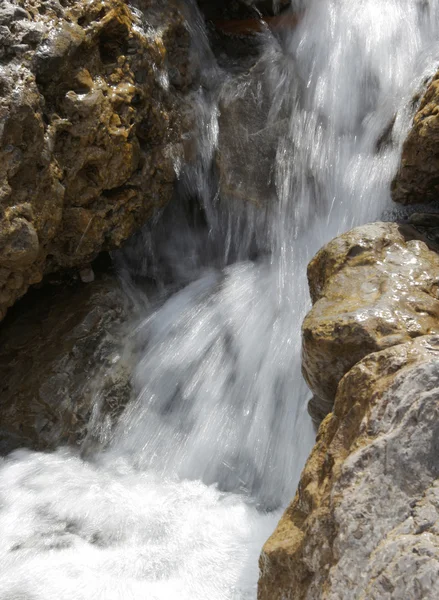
372	288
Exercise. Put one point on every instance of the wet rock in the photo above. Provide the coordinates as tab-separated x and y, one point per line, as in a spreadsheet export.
92	114
372	288
417	180
248	139
240	9
64	378
235	27
364	520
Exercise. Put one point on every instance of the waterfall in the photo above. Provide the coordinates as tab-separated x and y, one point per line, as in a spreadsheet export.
210	450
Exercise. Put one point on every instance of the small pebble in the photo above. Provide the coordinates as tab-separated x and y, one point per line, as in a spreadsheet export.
87	275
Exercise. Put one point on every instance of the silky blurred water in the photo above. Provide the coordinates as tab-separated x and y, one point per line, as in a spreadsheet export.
211	447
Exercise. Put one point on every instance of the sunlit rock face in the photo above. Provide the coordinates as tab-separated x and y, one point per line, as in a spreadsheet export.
91	115
363	523
64	376
417	180
364	520
372	288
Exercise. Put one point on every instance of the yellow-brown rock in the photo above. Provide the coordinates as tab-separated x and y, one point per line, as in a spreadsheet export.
372	288
418	177
364	520
91	122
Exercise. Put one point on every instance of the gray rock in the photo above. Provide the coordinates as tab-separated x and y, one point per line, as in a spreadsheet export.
64	377
10	12
364	523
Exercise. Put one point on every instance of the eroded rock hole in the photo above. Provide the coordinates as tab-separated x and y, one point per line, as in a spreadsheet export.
113	41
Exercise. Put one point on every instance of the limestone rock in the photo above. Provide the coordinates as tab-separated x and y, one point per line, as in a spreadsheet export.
372	288
63	375
91	121
418	177
364	522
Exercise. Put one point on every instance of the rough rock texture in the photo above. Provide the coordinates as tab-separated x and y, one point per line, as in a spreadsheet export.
372	288
418	177
63	375
91	97
364	522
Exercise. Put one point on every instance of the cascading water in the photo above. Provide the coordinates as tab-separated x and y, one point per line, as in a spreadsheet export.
203	459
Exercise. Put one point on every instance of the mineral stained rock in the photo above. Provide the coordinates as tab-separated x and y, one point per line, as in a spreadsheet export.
64	376
372	288
364	522
91	123
417	180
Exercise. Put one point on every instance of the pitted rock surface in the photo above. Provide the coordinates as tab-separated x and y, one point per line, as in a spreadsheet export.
91	123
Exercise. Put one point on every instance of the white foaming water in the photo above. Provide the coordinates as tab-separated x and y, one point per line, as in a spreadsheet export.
175	508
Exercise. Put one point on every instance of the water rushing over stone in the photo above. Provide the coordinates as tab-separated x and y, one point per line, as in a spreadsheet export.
217	435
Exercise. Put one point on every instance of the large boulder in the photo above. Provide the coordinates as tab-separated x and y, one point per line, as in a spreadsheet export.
65	373
364	522
91	124
372	288
417	180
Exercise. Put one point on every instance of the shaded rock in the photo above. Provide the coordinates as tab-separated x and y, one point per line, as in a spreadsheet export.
318	409
248	138
233	27
240	9
63	375
372	288
364	522
92	116
417	180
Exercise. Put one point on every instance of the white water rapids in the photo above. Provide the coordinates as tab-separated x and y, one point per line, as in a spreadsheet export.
210	451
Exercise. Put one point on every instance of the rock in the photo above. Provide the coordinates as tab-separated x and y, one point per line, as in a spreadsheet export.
364	522
63	376
417	180
19	243
372	288
92	117
318	409
248	139
240	9
10	12
87	275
